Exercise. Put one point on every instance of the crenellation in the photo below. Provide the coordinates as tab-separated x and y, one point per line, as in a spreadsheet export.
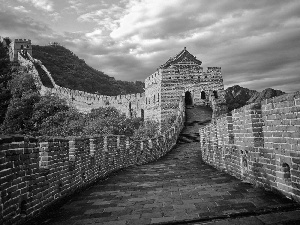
261	143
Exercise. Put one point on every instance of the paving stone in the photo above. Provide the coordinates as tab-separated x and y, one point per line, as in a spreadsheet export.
139	221
113	209
162	220
177	187
121	222
273	218
93	211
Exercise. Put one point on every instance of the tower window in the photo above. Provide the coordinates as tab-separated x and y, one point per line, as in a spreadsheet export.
203	95
216	94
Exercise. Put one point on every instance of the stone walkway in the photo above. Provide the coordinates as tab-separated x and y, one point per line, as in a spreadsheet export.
179	188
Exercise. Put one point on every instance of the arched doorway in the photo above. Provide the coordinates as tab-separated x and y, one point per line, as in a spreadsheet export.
216	94
203	95
188	98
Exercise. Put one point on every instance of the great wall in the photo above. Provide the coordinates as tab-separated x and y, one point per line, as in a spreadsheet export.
258	143
180	76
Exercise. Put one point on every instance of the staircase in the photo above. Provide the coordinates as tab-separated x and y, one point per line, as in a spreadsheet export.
196	117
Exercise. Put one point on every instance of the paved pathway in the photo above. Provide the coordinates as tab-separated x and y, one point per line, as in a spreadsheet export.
179	188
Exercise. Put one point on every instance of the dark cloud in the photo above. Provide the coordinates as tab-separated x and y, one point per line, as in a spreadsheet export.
15	25
255	42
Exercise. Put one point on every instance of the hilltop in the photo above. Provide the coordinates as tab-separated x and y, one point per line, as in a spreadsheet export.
237	96
69	71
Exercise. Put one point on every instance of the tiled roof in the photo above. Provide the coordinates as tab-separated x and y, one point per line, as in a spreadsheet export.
183	54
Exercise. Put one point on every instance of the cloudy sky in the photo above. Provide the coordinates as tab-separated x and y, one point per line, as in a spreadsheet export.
257	43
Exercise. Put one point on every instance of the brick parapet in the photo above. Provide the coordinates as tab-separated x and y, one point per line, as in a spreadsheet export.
258	143
36	173
131	104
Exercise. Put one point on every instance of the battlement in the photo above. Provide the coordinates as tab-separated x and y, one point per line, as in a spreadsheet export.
258	143
40	172
132	104
213	69
91	96
17	46
54	44
22	41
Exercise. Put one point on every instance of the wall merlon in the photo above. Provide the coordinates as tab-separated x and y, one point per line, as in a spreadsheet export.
22	40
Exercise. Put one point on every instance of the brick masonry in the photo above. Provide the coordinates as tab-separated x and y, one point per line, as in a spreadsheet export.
35	174
180	76
259	143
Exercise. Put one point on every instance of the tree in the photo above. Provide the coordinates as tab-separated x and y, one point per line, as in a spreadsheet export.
109	121
147	130
5	77
24	96
48	106
62	123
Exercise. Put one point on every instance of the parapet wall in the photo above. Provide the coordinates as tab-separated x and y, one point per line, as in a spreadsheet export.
132	104
35	174
259	143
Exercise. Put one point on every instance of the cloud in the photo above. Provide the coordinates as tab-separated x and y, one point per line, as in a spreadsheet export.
105	17
76	5
225	34
13	26
45	5
21	9
255	42
55	16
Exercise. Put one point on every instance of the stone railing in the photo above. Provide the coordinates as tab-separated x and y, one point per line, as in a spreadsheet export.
36	174
259	143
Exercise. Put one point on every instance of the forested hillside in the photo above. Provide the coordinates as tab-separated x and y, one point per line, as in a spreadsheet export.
237	96
5	77
71	72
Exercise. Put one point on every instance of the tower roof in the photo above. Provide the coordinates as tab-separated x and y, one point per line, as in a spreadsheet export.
184	55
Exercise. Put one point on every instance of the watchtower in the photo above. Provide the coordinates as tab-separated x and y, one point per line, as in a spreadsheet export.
182	77
23	46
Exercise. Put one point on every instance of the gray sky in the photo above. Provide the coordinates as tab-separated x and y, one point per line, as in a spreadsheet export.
256	42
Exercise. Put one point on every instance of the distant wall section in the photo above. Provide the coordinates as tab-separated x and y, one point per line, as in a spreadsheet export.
132	104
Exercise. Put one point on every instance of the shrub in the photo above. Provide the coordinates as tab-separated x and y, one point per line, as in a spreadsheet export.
147	130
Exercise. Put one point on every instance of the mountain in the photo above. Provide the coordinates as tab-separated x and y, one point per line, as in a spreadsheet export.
237	96
71	72
265	94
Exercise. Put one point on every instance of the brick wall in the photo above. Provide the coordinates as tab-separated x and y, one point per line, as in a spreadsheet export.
259	143
132	105
153	96
164	90
35	174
